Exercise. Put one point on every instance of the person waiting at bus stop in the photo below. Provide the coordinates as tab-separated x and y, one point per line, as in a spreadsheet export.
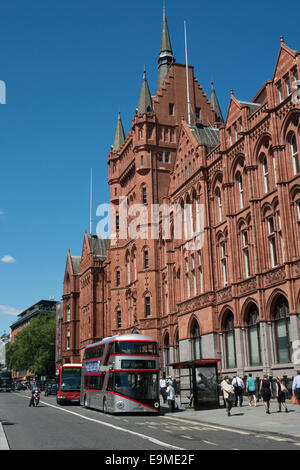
171	396
238	389
229	396
163	388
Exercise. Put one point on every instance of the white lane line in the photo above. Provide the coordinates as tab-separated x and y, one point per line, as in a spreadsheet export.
211	443
216	427
142	436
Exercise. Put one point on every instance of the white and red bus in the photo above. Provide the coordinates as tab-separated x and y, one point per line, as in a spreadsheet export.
69	384
120	375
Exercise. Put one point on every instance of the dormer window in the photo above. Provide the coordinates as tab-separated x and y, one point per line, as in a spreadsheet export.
288	85
280	95
230	137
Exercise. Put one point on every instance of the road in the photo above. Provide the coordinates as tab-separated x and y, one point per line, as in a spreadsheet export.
54	427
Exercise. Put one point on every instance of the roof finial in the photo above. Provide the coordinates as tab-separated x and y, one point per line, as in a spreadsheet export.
166	57
231	92
281	40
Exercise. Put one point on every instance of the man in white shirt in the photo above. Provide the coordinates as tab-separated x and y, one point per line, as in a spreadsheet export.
163	388
238	389
296	386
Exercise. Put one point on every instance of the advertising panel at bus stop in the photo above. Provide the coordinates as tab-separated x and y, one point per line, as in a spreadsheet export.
204	381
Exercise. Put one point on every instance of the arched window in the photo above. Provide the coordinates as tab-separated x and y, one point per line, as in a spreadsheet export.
128	267
241	190
229	341
147	306
219	204
196	341
281	322
254	336
294	153
119	319
176	348
265	174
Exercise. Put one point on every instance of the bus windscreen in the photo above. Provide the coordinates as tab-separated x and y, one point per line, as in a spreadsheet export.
145	348
70	379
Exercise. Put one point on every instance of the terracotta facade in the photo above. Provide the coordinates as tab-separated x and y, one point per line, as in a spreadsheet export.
236	296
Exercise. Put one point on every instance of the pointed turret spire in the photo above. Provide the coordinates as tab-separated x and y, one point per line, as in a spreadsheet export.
145	100
166	57
119	134
215	104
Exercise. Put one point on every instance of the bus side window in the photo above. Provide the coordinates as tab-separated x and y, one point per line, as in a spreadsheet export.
110	350
101	381
86	381
110	383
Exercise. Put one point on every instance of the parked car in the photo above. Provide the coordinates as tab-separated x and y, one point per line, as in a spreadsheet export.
50	389
20	386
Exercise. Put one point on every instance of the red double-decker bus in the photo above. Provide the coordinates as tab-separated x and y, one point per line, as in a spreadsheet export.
69	381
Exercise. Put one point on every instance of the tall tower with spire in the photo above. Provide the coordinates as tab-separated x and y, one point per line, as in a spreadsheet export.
166	57
119	134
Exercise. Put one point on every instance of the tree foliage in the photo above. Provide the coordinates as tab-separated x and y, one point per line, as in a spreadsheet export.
34	347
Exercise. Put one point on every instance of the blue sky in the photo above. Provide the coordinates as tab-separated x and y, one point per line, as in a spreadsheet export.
69	66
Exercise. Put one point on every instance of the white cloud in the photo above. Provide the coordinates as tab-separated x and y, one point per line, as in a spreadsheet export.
7	310
8	259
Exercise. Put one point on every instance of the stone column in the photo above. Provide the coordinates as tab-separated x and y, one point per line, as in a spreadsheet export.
267	350
295	338
239	351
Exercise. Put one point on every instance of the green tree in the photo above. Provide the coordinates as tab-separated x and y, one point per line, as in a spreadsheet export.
34	347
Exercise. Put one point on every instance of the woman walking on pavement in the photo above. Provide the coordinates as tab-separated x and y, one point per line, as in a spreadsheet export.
265	389
280	394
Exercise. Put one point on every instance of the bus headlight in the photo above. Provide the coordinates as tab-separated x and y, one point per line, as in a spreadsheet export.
120	405
156	404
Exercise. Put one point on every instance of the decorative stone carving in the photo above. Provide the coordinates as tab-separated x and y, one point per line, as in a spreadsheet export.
247	286
275	276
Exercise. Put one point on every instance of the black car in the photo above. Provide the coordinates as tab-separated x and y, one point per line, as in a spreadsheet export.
20	386
50	389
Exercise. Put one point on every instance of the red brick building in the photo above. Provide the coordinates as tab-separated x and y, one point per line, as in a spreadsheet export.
236	296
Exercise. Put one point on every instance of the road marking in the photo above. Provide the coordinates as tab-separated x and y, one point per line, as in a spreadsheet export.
275	438
186	437
216	427
208	442
142	436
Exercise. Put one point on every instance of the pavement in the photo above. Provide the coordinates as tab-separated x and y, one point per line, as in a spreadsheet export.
248	418
3	440
243	418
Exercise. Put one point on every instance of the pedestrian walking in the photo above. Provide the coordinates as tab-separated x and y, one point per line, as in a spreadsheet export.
229	396
221	387
163	388
171	396
296	386
250	389
265	389
281	391
238	390
170	381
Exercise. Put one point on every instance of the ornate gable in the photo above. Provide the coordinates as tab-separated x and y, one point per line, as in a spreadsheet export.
285	60
185	160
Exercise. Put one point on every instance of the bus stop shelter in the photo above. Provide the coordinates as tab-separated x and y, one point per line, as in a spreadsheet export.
203	381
